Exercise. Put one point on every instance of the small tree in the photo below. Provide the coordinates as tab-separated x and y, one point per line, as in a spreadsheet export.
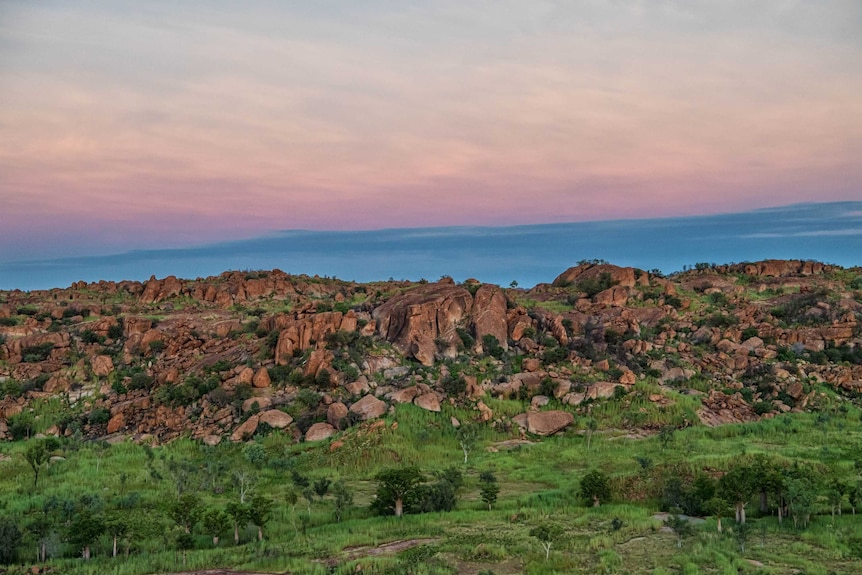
547	534
395	488
595	488
10	539
259	513
215	523
665	436
717	507
38	453
737	486
489	492
238	513
185	511
343	499
741	532
321	487
681	527
185	541
84	530
468	436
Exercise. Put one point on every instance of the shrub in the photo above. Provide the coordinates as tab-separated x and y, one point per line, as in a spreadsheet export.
37	353
8	321
140	380
99	416
116	330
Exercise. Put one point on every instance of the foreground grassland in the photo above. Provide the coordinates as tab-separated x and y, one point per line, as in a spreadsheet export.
540	481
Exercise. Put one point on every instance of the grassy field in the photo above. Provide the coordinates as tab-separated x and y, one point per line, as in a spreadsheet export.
539	481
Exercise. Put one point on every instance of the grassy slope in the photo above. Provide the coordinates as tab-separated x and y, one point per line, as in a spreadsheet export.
539	482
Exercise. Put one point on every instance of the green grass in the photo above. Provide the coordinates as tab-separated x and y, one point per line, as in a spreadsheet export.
539	484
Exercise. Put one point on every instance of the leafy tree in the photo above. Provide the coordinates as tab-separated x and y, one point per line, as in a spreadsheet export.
343	499
184	542
259	512
84	530
801	495
185	511
595	488
547	534
717	507
117	526
238	513
397	488
215	523
854	496
321	487
38	453
737	486
10	539
741	532
489	492
255	454
665	436
681	526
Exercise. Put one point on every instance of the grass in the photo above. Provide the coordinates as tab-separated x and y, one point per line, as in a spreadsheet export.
539	484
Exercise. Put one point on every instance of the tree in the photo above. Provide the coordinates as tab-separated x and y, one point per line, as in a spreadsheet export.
244	481
38	453
185	541
468	436
396	488
321	487
489	492
681	526
117	526
717	507
547	534
238	512
84	530
854	496
801	495
10	539
737	486
741	533
259	512
343	499
215	523
185	511
665	436
595	488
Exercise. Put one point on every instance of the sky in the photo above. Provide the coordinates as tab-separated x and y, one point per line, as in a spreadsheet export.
147	125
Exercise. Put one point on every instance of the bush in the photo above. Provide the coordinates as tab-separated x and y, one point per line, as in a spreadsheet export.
37	353
99	416
8	321
141	380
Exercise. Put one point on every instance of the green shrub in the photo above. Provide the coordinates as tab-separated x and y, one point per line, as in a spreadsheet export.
37	353
99	416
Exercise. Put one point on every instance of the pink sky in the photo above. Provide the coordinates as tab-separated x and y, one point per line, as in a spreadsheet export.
137	125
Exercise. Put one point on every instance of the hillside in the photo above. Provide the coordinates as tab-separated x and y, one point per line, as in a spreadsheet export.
345	380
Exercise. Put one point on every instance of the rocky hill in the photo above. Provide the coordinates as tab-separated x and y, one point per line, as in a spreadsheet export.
228	357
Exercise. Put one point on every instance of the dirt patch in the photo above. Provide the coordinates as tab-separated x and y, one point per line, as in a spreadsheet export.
391	547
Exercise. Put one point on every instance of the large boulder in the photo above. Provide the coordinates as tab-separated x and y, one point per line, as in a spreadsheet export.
319	432
369	407
335	413
299	332
489	314
246	429
544	422
624	277
275	418
417	320
102	365
428	402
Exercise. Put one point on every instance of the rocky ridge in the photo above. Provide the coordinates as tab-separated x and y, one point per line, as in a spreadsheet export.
244	353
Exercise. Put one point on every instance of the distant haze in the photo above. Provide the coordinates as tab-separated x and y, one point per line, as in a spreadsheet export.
830	232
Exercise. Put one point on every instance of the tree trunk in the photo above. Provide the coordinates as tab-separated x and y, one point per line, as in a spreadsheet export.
399	507
764	506
780	514
114	546
44	550
719	524
86	553
596	502
740	512
259	533
236	533
215	540
547	547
